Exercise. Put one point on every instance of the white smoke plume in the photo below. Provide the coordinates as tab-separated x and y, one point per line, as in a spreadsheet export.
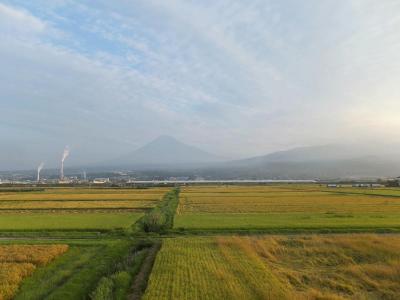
39	169
64	156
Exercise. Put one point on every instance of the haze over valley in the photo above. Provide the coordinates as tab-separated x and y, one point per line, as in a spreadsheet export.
168	157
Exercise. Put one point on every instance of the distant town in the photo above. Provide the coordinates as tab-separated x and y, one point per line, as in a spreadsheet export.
154	178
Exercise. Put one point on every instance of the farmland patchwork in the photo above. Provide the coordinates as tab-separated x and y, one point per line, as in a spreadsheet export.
200	242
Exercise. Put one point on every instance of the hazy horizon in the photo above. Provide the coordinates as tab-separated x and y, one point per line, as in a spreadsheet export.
233	78
166	152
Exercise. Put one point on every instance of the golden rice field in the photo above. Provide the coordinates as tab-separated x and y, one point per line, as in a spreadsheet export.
58	195
288	207
277	267
75	205
19	261
265	199
81	198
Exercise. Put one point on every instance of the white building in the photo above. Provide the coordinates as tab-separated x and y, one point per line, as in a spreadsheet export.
101	180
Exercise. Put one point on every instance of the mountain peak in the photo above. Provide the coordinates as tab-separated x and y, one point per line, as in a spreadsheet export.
166	150
165	139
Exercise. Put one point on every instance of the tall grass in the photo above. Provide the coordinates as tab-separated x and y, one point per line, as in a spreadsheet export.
161	218
76	274
117	284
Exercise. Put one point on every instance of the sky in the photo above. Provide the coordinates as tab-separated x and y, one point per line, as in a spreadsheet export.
235	78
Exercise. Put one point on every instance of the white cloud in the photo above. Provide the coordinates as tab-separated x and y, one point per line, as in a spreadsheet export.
16	21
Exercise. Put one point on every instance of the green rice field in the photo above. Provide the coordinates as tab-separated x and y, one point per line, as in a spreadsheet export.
67	221
287	207
80	209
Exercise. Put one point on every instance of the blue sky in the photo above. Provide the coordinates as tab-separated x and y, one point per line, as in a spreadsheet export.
236	78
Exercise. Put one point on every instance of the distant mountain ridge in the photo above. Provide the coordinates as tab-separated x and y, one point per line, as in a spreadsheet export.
312	153
327	161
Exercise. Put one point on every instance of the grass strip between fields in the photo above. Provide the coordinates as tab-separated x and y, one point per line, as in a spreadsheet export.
96	269
161	218
141	280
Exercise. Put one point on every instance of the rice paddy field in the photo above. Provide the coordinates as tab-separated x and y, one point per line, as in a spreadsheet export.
277	267
287	207
75	208
81	199
30	221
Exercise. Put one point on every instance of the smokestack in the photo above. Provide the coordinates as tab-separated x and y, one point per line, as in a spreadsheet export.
64	156
38	171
